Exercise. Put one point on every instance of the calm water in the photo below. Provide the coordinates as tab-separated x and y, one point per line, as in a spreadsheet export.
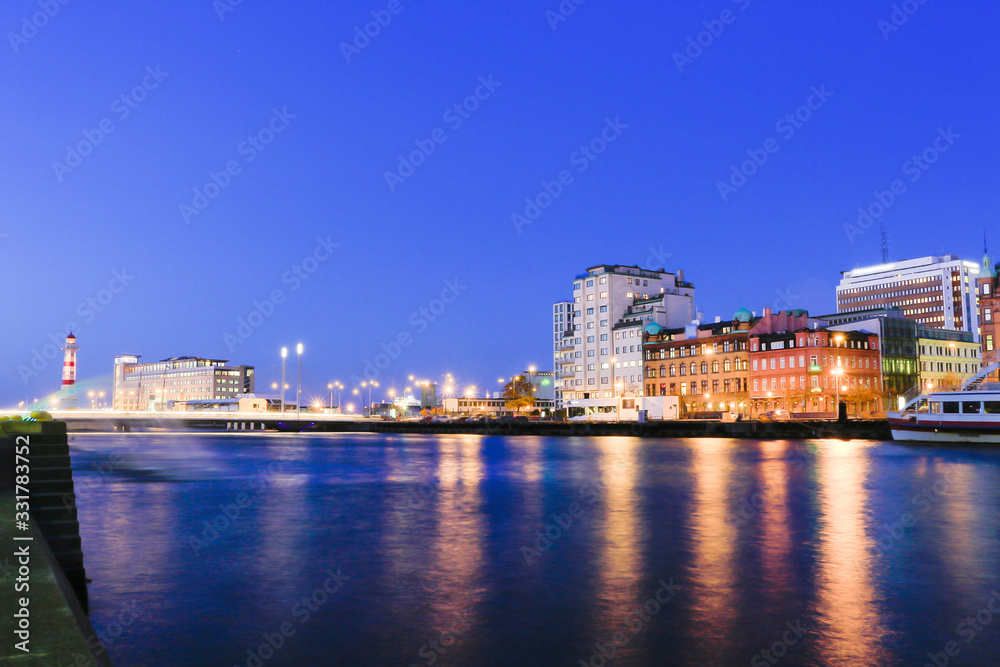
470	550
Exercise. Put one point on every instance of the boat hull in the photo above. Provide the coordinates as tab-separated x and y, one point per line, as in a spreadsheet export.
940	430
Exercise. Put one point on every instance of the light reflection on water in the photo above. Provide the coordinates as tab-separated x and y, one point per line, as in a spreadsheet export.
220	539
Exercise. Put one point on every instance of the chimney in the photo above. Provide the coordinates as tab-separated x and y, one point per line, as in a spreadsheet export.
767	312
718	318
680	275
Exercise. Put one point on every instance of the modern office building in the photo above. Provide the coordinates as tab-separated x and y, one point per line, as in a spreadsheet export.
898	345
937	292
601	352
707	365
159	384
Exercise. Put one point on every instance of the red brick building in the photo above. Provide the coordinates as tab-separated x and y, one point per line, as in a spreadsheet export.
989	304
798	365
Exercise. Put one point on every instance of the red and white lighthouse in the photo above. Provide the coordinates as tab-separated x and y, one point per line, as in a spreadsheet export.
69	369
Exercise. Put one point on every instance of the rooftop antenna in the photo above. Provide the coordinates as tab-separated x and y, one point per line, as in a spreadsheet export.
885	247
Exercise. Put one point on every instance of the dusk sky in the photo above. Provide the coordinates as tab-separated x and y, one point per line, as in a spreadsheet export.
309	128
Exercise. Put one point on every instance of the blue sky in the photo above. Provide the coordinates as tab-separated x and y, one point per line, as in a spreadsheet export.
202	85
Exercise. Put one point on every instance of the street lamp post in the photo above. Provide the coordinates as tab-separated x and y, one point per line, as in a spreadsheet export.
298	389
837	372
329	385
284	356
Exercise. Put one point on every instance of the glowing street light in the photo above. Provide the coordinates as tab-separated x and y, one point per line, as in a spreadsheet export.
837	372
284	356
298	390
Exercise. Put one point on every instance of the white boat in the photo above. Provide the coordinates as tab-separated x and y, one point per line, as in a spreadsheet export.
968	414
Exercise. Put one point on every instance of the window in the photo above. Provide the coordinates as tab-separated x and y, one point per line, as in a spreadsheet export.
987	315
950	407
991	407
971	407
602	295
603	280
590	283
604	309
673	370
694	368
590	311
604	337
755	364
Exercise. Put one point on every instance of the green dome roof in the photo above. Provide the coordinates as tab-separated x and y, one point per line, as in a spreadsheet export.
742	315
987	270
653	328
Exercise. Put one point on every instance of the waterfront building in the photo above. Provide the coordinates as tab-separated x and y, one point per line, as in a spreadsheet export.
989	305
244	403
496	407
562	322
947	358
937	292
707	365
599	356
543	383
428	396
898	346
799	365
158	385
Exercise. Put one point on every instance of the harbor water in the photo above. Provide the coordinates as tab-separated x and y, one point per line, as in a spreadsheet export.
361	549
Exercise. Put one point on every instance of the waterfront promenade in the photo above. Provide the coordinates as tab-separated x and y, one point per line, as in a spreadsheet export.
104	421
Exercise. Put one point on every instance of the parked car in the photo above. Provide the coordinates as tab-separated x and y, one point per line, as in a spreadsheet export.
779	415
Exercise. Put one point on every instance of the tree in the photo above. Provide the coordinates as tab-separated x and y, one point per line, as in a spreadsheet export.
519	394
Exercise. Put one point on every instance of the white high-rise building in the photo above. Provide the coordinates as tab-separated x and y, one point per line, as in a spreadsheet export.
598	355
938	292
562	321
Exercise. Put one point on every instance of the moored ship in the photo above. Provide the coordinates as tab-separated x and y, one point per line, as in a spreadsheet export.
968	414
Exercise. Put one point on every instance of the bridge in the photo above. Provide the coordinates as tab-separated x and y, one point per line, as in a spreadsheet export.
208	420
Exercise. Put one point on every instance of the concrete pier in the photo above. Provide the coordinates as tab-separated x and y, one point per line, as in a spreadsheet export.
60	633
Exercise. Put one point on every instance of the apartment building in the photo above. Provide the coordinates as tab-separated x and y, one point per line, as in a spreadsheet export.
799	365
599	356
707	365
